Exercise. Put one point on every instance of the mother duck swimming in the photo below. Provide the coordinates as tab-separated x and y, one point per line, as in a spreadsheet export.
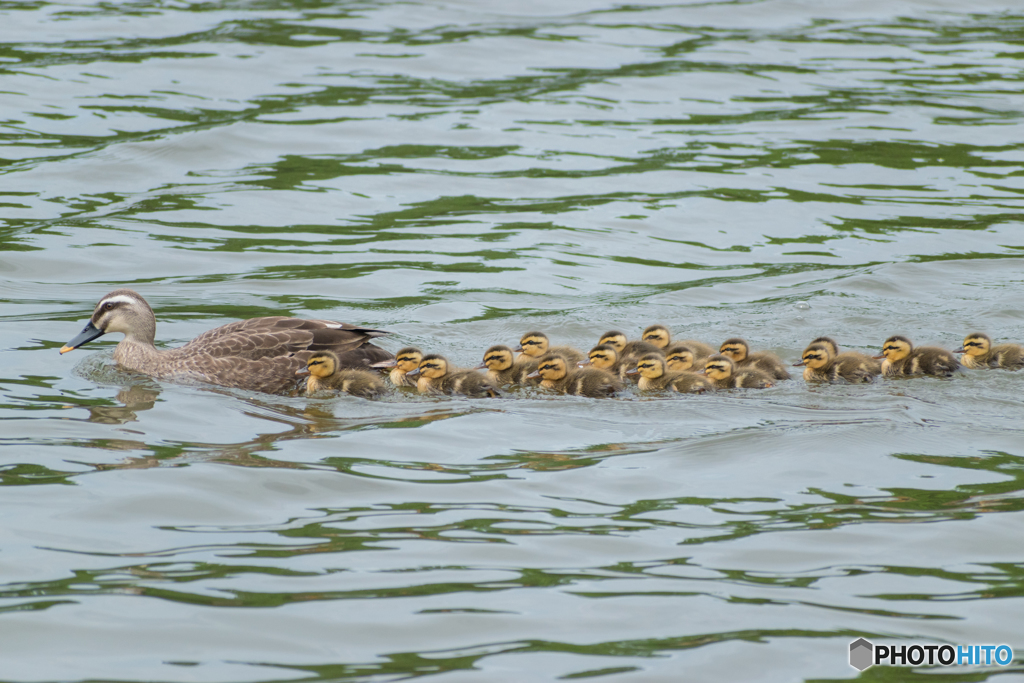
260	354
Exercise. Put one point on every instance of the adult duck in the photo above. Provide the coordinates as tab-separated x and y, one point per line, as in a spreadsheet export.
260	354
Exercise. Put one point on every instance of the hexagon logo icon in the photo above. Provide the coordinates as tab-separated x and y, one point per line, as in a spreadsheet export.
861	654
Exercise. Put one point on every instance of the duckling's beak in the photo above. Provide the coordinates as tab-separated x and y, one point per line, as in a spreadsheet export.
85	336
880	357
960	350
518	349
533	375
796	365
584	363
302	373
389	363
632	371
482	366
412	372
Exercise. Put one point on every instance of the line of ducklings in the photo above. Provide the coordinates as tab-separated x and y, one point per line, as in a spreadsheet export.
655	362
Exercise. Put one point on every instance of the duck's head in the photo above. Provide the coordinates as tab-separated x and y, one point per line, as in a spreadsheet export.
815	356
321	364
602	356
408	359
550	368
735	348
432	367
896	348
719	367
651	366
123	310
679	357
615	339
830	345
657	335
497	358
976	344
534	344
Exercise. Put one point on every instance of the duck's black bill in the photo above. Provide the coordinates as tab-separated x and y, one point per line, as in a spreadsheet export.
84	337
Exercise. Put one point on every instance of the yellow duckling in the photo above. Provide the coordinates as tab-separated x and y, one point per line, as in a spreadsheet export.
555	374
404	362
605	357
820	365
503	368
437	377
739	351
867	361
979	353
536	344
681	357
902	359
659	336
725	375
324	374
629	352
655	376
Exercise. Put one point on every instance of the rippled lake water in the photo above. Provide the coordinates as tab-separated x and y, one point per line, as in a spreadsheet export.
459	173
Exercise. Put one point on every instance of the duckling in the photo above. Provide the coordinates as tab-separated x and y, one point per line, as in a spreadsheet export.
979	353
739	351
592	382
503	368
868	363
902	359
655	376
830	343
536	344
325	374
437	377
605	357
681	357
659	336
725	375
822	366
404	362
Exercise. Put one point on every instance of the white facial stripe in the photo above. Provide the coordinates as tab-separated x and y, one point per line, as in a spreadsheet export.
119	299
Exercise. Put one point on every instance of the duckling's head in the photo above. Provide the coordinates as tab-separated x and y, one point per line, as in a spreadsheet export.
735	348
816	356
830	345
433	366
615	339
408	359
976	344
651	366
497	358
896	348
123	310
679	357
534	344
322	364
602	356
719	367
552	367
657	335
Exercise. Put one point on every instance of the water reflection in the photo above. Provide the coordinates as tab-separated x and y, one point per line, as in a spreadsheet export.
134	400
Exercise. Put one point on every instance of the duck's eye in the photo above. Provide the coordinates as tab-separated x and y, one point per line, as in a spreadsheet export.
108	306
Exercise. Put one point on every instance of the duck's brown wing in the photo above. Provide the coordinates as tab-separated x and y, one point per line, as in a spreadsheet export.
279	336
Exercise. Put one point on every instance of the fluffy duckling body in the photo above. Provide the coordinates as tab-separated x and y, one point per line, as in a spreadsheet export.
555	374
867	362
325	374
537	344
628	351
739	352
404	362
724	374
655	376
820	365
903	360
978	352
503	368
436	376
